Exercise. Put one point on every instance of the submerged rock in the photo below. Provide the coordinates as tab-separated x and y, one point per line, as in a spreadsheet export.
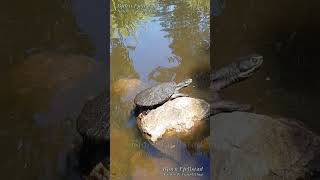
52	71
249	146
93	122
99	172
177	115
127	89
122	86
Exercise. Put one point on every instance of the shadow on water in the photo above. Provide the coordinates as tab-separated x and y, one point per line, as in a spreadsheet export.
49	71
154	42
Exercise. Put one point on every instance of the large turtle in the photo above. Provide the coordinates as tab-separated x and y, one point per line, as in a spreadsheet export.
160	93
228	75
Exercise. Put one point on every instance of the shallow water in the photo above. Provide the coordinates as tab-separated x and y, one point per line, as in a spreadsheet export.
165	41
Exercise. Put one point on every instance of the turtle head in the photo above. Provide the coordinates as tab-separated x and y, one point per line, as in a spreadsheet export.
187	82
183	84
249	65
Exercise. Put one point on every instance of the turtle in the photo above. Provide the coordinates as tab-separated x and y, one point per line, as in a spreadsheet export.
228	75
159	94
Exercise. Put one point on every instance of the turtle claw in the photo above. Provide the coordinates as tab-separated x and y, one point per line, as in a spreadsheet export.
143	114
176	95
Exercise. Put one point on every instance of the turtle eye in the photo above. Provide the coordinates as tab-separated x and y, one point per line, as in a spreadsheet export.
254	60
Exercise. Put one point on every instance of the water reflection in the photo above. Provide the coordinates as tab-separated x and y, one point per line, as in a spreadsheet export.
91	18
217	7
162	42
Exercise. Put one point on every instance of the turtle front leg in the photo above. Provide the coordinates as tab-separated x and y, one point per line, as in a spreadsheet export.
143	114
176	95
228	106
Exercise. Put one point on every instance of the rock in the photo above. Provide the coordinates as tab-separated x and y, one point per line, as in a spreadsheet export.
54	86
122	86
250	146
93	122
127	88
99	172
51	71
178	115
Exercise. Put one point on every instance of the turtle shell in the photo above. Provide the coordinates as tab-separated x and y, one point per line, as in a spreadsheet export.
155	95
93	122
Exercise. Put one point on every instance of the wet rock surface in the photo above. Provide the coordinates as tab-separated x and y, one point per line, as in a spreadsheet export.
93	122
93	125
178	115
250	146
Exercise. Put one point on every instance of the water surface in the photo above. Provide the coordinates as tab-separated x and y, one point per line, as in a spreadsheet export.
154	42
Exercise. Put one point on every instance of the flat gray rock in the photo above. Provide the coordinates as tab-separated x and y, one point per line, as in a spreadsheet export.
245	146
177	115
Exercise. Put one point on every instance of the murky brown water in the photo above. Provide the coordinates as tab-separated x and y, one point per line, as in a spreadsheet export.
162	41
49	67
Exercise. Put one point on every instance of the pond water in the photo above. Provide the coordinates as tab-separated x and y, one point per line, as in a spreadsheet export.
154	42
53	59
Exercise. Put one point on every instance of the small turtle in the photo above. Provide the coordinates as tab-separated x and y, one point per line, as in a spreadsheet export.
159	94
228	75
